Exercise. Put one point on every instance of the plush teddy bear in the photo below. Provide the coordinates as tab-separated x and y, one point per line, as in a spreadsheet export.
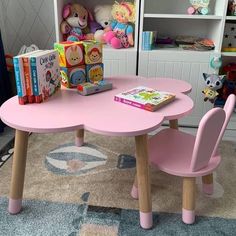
121	31
103	16
74	26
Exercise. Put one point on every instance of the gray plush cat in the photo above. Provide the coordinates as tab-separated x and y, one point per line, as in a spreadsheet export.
213	82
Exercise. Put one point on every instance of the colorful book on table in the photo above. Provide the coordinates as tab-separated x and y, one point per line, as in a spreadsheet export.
27	75
145	98
21	83
45	73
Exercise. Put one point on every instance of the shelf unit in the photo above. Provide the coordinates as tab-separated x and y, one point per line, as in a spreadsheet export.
116	62
171	19
168	18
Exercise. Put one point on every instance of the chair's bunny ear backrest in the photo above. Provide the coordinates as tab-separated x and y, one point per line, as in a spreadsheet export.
207	135
228	108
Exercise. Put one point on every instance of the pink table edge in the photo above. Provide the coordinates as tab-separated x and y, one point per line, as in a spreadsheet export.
90	125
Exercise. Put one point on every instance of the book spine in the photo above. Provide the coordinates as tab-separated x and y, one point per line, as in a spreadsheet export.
131	103
17	77
34	79
27	76
19	80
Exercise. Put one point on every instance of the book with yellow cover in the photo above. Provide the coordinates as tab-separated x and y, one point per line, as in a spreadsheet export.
145	98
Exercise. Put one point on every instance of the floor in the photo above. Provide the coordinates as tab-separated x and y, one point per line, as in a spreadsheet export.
6	137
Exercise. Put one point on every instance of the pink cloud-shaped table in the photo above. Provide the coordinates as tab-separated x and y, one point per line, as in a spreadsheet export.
99	113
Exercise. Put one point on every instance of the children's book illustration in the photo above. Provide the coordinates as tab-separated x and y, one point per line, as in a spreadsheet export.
145	98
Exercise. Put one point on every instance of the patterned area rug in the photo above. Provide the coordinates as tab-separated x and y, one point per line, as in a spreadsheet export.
85	191
6	152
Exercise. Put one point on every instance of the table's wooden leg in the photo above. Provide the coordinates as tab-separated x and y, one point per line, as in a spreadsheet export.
188	209
18	171
79	138
134	190
144	187
174	124
207	184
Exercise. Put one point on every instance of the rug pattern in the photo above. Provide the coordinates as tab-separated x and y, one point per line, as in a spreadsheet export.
85	192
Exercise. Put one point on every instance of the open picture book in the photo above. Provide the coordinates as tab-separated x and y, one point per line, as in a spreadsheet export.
145	98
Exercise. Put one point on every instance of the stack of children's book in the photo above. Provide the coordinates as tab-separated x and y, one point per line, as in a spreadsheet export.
37	75
145	98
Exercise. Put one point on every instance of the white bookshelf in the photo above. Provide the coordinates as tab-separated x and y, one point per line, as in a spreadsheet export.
116	61
170	18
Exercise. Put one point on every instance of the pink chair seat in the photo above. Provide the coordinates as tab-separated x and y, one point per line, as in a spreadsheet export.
166	152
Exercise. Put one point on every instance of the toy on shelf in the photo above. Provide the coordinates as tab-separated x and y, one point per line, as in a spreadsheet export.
70	53
231	11
103	16
121	31
214	83
74	26
91	88
199	7
92	52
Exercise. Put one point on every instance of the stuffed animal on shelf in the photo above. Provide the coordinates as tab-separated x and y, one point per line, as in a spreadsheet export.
199	7
121	30
103	16
74	26
214	83
231	11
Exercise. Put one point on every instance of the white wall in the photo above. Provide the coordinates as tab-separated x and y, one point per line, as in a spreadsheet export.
27	22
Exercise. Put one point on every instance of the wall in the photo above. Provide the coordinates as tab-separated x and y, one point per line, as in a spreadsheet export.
27	22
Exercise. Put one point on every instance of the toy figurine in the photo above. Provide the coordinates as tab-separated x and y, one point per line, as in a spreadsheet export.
121	32
231	11
199	7
74	26
102	15
214	83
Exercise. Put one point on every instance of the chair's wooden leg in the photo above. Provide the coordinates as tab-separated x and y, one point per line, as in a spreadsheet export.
18	172
144	188
79	138
173	124
189	191
207	184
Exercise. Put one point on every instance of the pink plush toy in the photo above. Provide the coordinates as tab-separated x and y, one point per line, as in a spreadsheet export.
74	26
121	33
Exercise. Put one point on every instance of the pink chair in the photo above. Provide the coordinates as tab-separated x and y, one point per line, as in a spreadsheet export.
181	154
